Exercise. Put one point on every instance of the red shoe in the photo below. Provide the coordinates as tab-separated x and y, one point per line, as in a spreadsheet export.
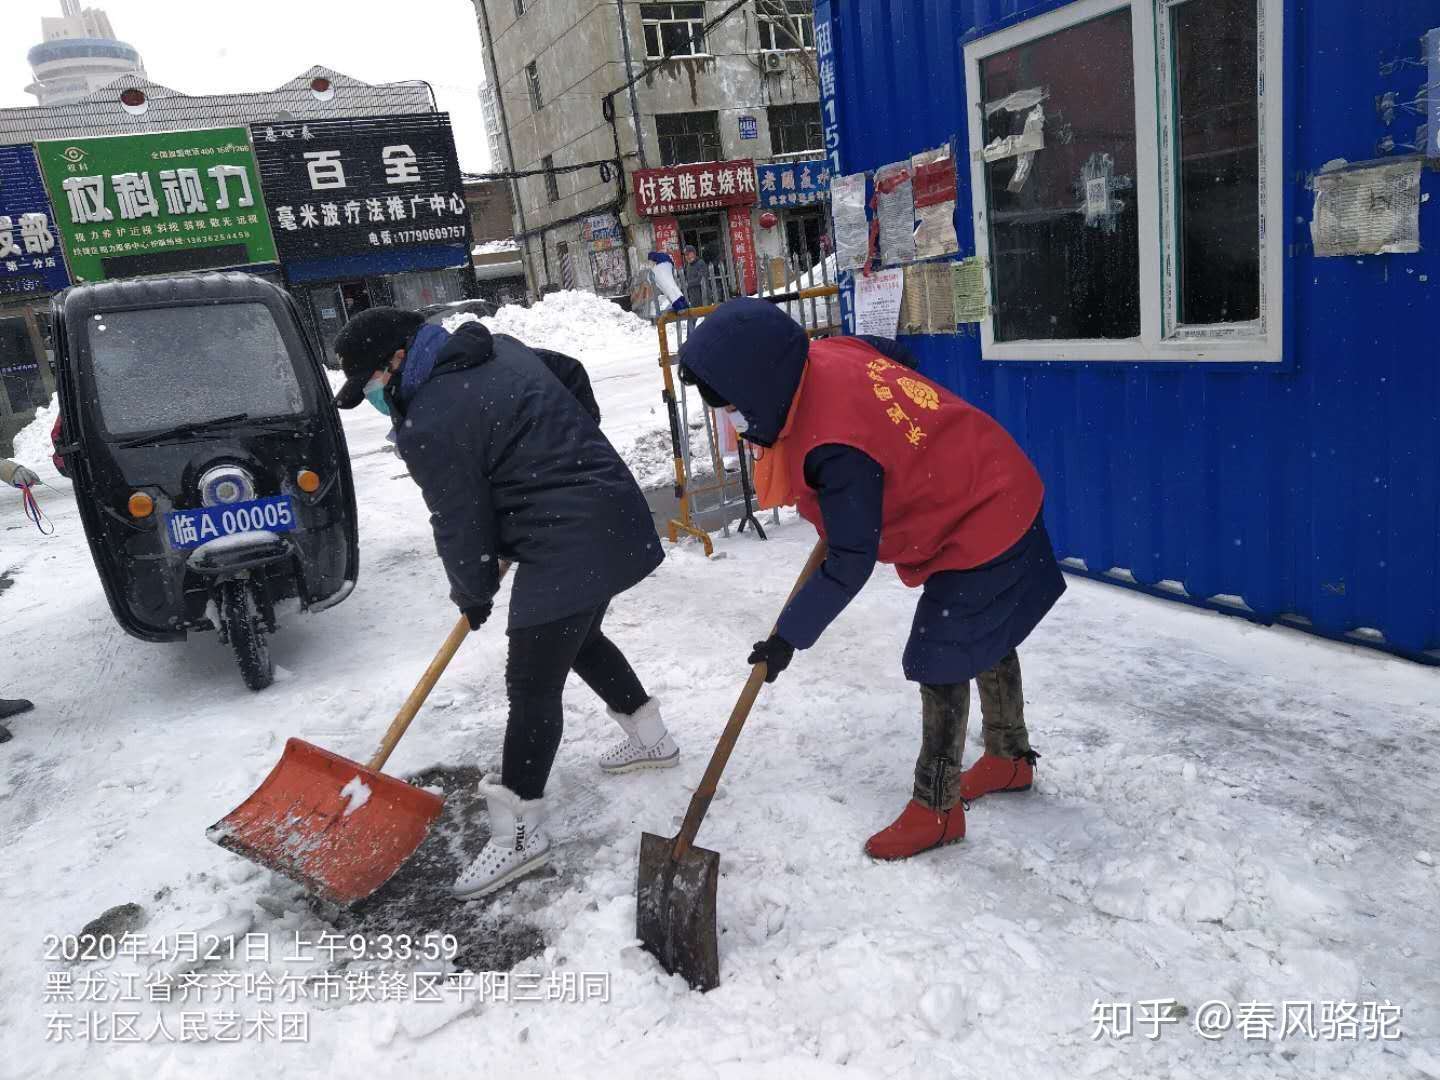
917	829
993	773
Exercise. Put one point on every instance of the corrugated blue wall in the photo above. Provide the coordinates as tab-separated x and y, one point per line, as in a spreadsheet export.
1312	491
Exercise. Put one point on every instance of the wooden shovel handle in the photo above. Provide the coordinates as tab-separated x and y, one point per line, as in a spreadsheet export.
700	801
422	689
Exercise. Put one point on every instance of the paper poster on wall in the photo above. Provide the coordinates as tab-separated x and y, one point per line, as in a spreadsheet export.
928	306
895	210
972	291
935	203
877	302
852	230
1368	210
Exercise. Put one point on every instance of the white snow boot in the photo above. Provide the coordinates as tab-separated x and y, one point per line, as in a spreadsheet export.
647	745
518	842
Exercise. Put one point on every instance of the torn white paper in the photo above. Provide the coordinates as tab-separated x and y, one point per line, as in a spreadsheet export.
1368	210
1019	101
852	230
1029	140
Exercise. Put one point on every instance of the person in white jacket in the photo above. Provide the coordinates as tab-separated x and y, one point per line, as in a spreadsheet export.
18	476
667	284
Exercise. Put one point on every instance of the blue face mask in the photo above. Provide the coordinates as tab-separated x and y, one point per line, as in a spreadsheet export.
375	394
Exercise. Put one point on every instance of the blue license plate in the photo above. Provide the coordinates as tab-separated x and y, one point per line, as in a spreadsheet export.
191	528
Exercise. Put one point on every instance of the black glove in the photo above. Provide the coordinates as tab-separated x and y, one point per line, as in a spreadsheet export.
477	614
775	653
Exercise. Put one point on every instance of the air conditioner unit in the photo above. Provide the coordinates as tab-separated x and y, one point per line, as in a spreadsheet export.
772	62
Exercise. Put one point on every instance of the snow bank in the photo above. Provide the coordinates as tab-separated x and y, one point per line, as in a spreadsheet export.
494	247
33	447
575	322
33	441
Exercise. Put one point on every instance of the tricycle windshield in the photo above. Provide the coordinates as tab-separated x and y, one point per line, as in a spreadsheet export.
154	368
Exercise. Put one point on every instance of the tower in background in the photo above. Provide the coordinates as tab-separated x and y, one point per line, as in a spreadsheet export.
78	56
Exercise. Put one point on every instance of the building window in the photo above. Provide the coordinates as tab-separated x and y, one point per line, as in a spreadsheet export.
1210	151
1059	273
532	79
786	24
688	136
552	183
1130	218
795	129
673	30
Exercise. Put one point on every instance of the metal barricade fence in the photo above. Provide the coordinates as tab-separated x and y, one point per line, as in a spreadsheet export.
722	495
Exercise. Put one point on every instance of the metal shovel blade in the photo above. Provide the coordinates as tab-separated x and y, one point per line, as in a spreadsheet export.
339	828
675	909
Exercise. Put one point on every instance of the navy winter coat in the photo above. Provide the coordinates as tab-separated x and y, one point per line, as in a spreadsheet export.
513	467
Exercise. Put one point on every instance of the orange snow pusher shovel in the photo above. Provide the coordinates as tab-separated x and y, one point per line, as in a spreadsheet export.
339	828
676	883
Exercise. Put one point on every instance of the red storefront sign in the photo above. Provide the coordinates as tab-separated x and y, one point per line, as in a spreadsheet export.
667	237
742	247
709	185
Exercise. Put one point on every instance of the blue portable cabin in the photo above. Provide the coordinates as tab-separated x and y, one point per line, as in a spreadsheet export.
1283	463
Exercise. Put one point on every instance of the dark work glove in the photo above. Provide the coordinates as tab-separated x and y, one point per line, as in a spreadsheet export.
477	614
775	653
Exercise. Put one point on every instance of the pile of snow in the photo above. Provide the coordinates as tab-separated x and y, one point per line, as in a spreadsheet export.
575	322
32	443
494	247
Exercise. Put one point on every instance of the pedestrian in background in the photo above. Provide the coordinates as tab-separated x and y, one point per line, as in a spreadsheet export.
17	476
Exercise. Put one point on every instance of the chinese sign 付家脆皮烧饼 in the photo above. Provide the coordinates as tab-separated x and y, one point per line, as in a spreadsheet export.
709	185
351	186
165	201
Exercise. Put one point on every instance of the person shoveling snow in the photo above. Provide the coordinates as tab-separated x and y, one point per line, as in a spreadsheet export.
513	467
891	468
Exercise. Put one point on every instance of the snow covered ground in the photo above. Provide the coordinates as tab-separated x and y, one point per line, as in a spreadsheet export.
1223	813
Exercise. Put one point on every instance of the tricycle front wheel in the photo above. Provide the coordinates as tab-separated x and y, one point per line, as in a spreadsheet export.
245	630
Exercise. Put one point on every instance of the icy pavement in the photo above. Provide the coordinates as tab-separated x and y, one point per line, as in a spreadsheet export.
1222	813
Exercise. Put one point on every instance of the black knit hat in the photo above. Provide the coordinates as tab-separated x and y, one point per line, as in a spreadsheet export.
365	345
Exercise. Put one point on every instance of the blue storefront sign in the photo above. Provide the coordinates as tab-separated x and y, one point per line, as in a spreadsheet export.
749	128
795	183
30	257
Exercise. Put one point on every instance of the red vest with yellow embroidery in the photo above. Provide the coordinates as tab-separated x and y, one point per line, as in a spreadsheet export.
958	491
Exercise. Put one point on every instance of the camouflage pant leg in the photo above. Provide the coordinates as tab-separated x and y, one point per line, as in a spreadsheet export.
944	715
1002	709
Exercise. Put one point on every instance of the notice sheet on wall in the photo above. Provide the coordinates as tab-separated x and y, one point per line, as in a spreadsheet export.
1368	209
935	203
895	209
929	302
877	302
972	291
852	230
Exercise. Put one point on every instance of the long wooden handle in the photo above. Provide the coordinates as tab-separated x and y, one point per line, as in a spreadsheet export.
420	693
700	801
422	689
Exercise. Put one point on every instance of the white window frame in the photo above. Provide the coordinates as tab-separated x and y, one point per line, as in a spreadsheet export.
1160	339
764	17
693	24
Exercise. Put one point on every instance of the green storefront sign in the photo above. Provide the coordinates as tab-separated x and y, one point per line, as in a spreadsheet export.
157	203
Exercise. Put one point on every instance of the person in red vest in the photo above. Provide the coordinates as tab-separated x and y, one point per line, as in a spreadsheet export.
891	468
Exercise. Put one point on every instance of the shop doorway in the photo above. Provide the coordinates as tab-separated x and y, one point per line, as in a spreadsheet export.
332	306
706	234
806	237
